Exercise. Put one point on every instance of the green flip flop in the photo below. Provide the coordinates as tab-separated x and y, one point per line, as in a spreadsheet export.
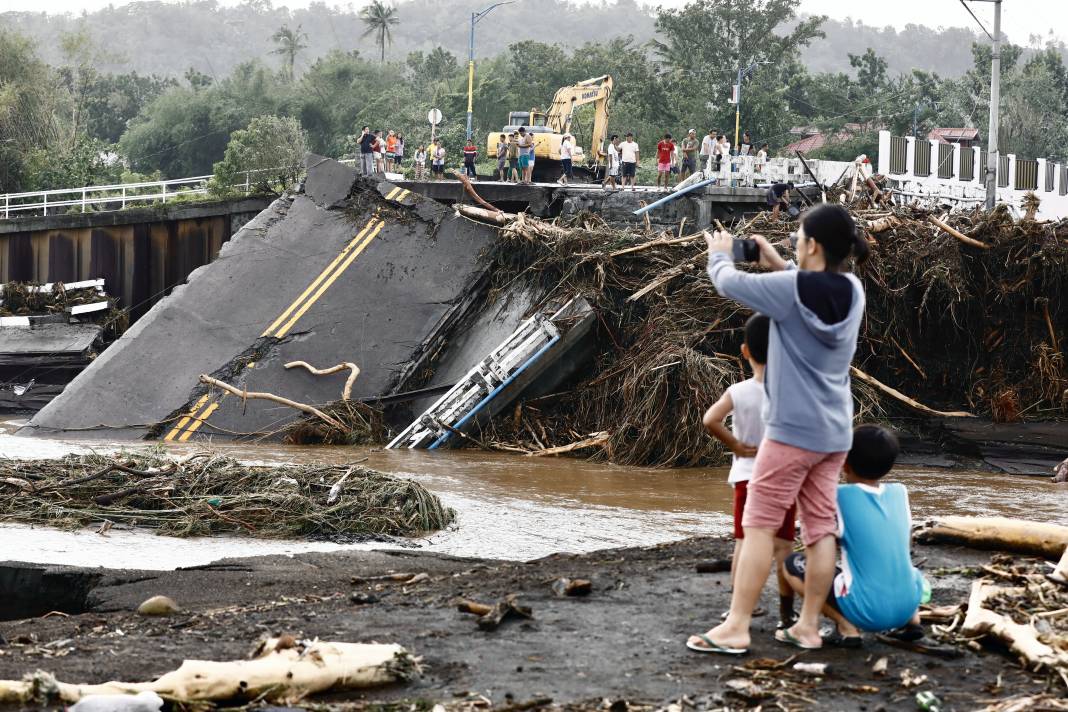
711	646
785	636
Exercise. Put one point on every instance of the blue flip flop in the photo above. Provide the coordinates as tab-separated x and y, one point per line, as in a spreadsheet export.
712	647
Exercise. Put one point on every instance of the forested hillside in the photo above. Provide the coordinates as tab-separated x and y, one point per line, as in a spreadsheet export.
158	89
214	38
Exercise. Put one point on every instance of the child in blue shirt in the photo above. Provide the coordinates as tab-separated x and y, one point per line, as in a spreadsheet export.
878	588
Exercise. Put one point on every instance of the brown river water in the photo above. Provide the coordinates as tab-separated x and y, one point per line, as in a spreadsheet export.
510	506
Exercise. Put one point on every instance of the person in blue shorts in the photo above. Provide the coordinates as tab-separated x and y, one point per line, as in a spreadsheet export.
877	588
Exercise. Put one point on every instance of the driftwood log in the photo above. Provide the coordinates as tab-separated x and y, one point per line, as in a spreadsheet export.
1021	639
354	371
998	533
311	410
275	674
957	233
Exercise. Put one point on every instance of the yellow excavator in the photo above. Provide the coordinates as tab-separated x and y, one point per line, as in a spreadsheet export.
549	127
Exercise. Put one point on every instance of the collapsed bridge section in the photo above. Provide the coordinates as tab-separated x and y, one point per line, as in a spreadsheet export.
343	270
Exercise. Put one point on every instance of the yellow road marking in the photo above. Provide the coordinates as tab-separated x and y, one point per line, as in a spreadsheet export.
389	196
198	422
186	418
326	285
322	275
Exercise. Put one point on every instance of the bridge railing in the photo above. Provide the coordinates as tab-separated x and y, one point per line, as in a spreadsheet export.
118	196
926	171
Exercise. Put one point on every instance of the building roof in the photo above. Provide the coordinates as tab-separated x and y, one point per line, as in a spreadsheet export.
809	143
948	135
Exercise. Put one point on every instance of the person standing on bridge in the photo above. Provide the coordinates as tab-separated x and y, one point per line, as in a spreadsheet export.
611	166
513	158
470	154
420	162
628	156
526	155
502	158
379	148
438	167
689	159
398	162
565	159
391	149
708	144
664	156
367	159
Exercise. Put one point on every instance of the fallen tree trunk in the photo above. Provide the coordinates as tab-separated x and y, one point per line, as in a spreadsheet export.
483	215
997	533
274	674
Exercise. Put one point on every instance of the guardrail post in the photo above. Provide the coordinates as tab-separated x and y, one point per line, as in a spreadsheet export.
44	204
163	191
123	197
83	200
248	182
7	207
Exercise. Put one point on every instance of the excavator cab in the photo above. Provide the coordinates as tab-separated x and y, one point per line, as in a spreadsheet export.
532	118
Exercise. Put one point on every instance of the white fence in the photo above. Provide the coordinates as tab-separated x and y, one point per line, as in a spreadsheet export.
926	171
102	198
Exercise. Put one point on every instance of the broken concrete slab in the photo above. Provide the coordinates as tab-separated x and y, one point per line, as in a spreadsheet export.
369	281
328	182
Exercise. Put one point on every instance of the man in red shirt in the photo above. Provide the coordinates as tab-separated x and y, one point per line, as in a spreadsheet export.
664	153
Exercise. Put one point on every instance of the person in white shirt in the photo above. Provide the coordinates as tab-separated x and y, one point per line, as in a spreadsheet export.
420	162
743	402
707	147
565	159
761	158
611	168
628	155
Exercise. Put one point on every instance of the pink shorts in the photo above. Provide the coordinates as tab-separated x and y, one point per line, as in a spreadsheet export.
664	167
784	474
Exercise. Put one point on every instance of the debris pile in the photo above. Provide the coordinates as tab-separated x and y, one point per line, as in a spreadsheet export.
207	493
966	313
56	299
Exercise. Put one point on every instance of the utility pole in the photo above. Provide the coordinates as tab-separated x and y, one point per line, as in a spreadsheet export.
992	158
737	101
475	17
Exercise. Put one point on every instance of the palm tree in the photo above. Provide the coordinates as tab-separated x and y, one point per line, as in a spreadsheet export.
379	18
290	43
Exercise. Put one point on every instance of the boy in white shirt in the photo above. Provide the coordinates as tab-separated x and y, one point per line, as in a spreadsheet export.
611	168
744	402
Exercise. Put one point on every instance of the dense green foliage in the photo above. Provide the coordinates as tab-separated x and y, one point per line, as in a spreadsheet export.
268	155
73	123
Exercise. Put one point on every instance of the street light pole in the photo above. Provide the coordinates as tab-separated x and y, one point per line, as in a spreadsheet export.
475	17
995	102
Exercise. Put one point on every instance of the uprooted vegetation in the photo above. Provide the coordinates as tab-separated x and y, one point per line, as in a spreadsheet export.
207	493
974	324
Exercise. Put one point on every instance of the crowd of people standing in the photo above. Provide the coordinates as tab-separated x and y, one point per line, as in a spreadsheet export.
617	162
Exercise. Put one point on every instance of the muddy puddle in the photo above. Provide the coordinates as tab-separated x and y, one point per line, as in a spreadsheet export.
509	506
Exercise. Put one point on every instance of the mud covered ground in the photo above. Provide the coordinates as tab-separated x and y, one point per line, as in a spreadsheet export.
625	641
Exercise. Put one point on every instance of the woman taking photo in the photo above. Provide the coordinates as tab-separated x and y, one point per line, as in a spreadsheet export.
816	307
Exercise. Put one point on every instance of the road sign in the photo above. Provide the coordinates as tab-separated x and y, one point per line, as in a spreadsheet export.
434	117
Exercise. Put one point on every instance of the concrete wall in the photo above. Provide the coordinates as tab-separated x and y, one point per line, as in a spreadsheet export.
142	254
972	192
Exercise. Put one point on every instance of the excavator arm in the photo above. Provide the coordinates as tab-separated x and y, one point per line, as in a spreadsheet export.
592	91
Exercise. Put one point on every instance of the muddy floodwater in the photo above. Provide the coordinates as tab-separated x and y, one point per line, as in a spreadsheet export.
509	506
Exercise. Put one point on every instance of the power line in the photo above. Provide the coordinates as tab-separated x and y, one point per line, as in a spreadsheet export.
981	25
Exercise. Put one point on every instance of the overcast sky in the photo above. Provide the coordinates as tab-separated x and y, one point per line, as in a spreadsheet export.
1021	18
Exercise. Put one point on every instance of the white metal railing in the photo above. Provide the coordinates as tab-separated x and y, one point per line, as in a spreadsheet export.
114	197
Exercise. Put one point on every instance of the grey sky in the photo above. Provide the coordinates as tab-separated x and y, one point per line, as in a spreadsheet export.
1021	18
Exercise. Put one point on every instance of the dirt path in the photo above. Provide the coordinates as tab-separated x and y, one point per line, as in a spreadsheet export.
624	641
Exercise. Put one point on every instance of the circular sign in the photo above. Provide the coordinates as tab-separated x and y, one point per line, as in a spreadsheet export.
434	117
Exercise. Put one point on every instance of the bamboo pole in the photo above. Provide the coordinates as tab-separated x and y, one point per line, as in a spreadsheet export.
894	393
